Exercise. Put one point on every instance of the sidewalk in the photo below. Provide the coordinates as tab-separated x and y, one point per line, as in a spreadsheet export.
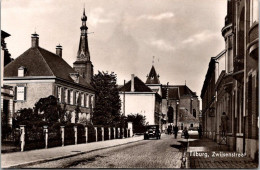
16	159
205	153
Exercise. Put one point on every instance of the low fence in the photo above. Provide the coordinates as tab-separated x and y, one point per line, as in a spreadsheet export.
32	137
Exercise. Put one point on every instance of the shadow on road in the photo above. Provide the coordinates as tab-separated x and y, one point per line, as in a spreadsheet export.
83	161
177	146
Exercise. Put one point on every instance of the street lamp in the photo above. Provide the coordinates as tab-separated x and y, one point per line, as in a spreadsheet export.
177	104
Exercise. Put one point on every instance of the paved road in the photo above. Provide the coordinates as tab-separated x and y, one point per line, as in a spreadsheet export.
164	153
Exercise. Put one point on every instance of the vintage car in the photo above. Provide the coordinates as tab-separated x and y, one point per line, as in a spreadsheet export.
152	131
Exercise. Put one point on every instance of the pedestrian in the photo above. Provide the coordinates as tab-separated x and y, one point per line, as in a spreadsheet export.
176	129
224	119
200	131
186	133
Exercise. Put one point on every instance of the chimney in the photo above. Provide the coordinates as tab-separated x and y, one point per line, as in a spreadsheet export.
35	40
59	50
132	82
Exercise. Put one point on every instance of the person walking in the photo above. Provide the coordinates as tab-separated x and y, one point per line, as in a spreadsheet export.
186	133
176	129
224	119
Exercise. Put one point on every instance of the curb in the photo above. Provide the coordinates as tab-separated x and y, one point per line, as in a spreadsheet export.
64	156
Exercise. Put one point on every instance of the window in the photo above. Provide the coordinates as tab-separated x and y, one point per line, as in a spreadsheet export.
65	95
253	11
92	102
82	99
21	71
20	93
194	113
87	100
71	96
59	94
77	98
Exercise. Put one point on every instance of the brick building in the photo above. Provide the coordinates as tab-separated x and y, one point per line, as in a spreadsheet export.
7	93
236	83
183	103
38	73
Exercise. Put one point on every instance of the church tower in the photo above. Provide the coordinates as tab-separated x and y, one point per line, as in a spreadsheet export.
83	65
153	81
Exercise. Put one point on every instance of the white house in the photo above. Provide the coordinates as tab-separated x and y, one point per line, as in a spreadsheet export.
136	97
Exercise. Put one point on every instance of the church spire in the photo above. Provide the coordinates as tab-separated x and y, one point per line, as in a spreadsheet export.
153	77
83	51
83	65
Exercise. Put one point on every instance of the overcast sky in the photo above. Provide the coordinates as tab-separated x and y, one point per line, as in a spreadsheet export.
181	34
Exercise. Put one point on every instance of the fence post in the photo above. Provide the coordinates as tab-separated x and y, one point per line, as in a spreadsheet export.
86	134
96	134
118	133
103	134
130	127
62	135
76	134
123	133
22	137
114	132
109	133
45	132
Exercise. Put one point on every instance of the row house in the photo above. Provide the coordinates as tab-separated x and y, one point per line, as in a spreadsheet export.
235	73
39	73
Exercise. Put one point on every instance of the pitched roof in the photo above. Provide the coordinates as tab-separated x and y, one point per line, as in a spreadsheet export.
40	62
173	93
4	34
138	84
176	91
186	117
153	78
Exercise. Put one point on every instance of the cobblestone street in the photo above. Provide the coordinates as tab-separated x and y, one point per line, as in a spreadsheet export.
163	153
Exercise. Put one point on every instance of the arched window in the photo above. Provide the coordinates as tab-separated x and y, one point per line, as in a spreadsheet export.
194	113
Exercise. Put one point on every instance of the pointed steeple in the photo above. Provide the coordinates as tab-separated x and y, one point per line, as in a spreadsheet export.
153	77
83	65
83	51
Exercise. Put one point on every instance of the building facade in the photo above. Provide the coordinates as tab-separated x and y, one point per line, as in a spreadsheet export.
39	73
236	81
136	97
183	104
163	105
7	93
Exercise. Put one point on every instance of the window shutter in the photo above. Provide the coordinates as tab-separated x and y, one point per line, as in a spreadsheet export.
62	95
84	100
74	97
25	93
15	93
68	97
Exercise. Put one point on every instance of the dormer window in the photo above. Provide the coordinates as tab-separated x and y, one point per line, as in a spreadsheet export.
21	71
